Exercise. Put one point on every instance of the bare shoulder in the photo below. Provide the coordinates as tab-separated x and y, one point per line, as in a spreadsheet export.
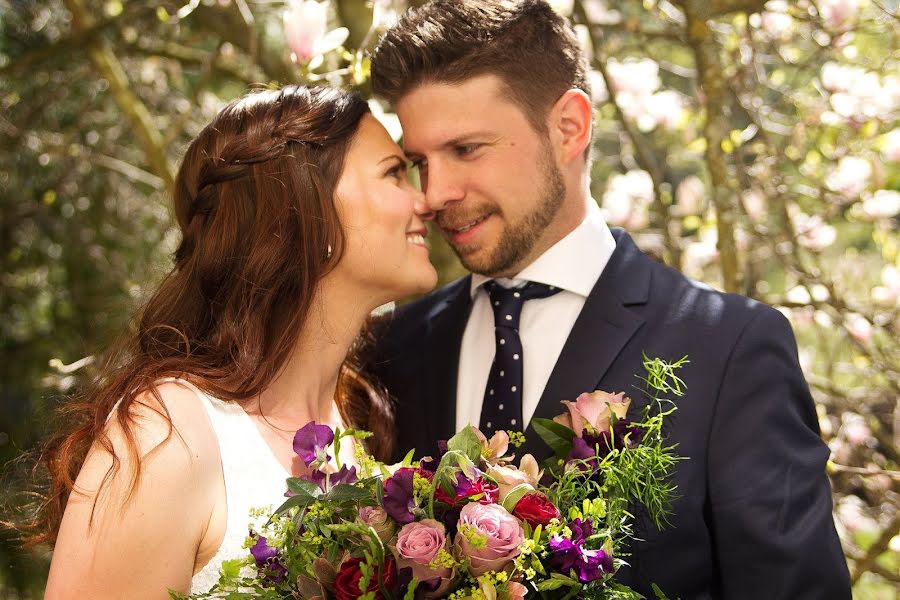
135	534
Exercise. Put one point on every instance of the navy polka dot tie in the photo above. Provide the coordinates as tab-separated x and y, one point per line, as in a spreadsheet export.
502	406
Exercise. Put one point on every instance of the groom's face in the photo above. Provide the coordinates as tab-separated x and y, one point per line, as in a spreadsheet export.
491	179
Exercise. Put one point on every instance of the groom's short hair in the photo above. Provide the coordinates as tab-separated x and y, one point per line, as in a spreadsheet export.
530	47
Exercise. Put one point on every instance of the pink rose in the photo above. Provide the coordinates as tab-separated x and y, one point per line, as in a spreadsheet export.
592	411
417	545
489	536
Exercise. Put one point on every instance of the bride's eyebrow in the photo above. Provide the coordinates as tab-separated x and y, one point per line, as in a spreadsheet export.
394	156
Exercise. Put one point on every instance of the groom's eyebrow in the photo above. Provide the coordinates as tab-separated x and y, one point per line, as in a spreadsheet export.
460	140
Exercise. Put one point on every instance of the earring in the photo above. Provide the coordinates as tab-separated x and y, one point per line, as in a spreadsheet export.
328	252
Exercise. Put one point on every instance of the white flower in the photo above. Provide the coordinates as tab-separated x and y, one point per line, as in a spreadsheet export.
838	13
883	204
690	196
851	177
599	93
858	327
665	109
597	12
890	149
798	295
634	77
888	293
698	254
627	198
384	13
775	21
813	232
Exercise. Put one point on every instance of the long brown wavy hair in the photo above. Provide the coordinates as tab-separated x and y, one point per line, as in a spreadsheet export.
254	202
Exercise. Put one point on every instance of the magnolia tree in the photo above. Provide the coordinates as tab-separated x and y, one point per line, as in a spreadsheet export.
754	146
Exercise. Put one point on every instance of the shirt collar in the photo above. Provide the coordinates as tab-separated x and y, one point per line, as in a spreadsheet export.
574	263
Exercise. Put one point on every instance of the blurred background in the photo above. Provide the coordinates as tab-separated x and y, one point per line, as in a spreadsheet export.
753	145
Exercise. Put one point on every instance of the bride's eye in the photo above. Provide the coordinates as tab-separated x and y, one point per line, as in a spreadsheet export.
398	171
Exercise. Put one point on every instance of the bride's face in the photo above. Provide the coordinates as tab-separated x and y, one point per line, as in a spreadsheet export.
381	215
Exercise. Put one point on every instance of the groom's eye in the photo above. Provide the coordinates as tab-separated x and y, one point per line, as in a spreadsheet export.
466	149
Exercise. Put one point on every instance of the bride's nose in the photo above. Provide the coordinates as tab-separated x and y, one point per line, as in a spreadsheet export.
420	207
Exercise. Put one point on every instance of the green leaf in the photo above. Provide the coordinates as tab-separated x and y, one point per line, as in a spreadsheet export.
344	491
557	436
303	487
300	500
659	593
407	460
466	442
512	498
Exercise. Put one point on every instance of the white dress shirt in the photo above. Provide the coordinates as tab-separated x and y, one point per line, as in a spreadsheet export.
573	264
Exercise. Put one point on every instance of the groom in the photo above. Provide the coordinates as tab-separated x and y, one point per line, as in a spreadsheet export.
496	112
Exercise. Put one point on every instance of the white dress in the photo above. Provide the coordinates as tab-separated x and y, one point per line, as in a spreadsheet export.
253	478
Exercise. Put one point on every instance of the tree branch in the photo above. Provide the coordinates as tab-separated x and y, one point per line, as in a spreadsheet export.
712	80
131	106
76	41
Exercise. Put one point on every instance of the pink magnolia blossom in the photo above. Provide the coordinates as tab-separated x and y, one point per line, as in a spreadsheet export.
501	533
305	25
593	410
838	14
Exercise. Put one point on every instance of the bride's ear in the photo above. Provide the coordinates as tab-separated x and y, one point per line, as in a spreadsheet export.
570	120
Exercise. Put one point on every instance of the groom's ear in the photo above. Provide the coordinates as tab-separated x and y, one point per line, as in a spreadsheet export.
570	123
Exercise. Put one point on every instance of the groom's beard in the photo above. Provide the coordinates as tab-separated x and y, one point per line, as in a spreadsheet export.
517	238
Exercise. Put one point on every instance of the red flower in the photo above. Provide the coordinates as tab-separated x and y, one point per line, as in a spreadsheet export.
466	490
536	509
346	583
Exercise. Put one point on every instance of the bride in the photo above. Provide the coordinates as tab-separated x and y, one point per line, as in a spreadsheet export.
297	220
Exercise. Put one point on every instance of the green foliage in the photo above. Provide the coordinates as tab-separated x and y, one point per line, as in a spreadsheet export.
86	230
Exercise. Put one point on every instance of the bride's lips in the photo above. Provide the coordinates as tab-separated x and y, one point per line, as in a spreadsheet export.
417	238
462	234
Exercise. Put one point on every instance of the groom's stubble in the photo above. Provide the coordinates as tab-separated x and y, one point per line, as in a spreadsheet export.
517	239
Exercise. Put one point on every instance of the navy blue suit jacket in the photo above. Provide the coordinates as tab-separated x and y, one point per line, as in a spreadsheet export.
753	519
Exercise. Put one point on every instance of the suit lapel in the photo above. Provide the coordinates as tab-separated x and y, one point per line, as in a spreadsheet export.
446	324
602	329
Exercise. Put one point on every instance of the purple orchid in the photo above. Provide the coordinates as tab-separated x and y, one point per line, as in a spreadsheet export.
268	561
310	443
326	482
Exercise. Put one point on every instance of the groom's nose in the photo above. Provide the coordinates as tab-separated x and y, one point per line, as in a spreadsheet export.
443	186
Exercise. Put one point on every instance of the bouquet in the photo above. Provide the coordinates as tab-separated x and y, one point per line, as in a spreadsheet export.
473	523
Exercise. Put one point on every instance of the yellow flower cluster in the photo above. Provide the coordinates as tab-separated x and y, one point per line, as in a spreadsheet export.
475	538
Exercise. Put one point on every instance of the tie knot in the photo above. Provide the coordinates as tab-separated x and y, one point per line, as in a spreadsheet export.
507	302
